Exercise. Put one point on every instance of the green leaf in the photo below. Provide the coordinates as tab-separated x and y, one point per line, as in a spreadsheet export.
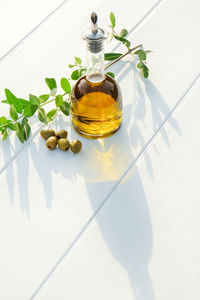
43	98
144	71
123	40
2	129
141	53
3	120
65	85
51	114
75	75
27	131
112	19
51	82
5	101
29	110
140	65
24	121
111	56
59	100
42	115
5	135
13	100
13	112
11	126
111	74
71	66
53	92
123	33
78	60
65	108
26	128
24	102
19	132
34	100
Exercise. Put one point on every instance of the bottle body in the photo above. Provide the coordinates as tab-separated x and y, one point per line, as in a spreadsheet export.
96	107
96	102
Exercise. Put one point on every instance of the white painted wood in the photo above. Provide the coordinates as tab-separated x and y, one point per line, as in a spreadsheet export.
46	196
144	243
48	199
21	18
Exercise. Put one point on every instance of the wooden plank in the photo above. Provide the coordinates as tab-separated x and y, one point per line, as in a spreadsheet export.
144	243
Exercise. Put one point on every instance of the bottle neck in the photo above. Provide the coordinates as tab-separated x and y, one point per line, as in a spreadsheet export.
95	66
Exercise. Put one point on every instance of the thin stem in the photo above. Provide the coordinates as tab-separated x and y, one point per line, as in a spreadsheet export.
114	32
47	102
128	52
12	122
19	118
51	100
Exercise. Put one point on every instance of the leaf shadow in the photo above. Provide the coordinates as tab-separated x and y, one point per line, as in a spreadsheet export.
7	152
23	180
43	169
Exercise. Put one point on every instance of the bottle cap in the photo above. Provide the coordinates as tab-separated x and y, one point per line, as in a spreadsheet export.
94	36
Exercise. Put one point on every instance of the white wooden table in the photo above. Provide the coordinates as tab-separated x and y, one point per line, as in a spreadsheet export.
121	220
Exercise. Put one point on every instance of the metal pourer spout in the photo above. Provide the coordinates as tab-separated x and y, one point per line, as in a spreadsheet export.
94	36
94	25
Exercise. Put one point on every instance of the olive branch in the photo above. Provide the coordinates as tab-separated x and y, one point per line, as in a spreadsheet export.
22	109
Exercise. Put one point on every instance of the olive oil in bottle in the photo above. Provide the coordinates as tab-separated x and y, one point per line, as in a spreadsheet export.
96	108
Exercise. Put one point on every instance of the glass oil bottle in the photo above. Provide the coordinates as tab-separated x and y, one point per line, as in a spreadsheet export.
96	108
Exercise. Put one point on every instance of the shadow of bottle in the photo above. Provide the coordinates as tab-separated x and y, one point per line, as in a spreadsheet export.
125	224
127	231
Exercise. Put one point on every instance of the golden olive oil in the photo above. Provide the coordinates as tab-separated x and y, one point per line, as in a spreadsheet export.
96	107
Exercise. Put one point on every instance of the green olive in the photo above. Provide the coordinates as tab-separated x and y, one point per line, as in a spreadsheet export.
51	143
63	144
46	133
76	146
61	134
